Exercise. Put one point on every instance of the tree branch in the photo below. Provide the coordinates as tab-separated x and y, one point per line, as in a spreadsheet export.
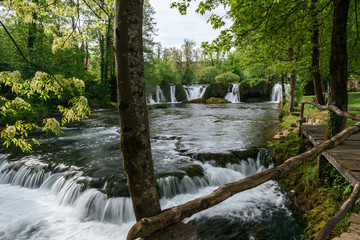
23	56
335	110
331	224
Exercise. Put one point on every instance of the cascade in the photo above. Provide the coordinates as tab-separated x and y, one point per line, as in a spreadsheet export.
90	204
194	91
234	95
172	94
158	97
276	93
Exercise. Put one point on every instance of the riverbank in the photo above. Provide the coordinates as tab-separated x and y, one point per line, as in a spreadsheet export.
316	200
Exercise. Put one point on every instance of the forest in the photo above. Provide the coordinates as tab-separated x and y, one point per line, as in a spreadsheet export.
103	123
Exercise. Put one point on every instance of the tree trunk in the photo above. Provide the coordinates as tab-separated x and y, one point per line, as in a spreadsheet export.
135	136
315	56
31	39
292	83
292	91
283	89
338	66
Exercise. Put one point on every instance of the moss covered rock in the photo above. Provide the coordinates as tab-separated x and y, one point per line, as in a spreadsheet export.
217	90
194	171
180	93
217	100
165	87
255	90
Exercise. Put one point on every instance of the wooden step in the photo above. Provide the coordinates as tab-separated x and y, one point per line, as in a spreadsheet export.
349	236
354	228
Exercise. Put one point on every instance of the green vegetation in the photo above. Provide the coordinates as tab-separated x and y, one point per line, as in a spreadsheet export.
217	90
227	77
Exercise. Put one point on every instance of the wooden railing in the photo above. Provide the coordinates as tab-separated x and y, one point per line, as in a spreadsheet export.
331	224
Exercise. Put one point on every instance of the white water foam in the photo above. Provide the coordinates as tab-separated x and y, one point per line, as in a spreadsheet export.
194	91
276	93
172	94
70	213
234	95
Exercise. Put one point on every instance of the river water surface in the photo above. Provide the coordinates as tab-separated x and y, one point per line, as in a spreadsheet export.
58	190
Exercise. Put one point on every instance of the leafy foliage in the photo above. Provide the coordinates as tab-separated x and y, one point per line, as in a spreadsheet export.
227	77
44	86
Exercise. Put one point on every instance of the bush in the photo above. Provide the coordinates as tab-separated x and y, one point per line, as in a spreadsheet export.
208	75
227	77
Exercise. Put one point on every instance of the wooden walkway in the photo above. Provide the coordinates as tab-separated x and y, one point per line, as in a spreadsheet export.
353	232
346	159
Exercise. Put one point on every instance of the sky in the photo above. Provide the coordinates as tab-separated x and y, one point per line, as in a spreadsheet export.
173	27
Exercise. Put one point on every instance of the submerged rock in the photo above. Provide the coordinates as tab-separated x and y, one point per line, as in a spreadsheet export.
217	100
211	100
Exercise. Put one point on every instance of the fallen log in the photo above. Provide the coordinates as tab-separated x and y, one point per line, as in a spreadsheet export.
147	226
331	224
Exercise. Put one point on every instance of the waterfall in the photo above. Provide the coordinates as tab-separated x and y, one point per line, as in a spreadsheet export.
194	91
234	95
63	208
172	94
276	93
90	204
158	97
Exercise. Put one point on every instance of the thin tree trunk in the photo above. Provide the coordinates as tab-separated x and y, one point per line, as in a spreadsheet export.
102	59
315	57
292	91
135	136
338	65
292	83
31	38
283	88
107	52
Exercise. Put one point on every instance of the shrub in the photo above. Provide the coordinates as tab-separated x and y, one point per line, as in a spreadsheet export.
227	77
208	75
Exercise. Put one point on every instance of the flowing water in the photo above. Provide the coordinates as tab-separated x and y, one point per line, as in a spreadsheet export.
59	190
194	91
234	95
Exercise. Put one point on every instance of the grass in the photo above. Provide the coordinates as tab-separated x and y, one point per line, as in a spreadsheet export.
311	112
353	106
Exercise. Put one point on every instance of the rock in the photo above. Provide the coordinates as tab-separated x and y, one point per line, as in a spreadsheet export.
194	171
217	90
214	100
255	90
165	87
294	124
180	93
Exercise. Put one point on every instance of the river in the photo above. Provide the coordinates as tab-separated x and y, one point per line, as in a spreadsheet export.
58	191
